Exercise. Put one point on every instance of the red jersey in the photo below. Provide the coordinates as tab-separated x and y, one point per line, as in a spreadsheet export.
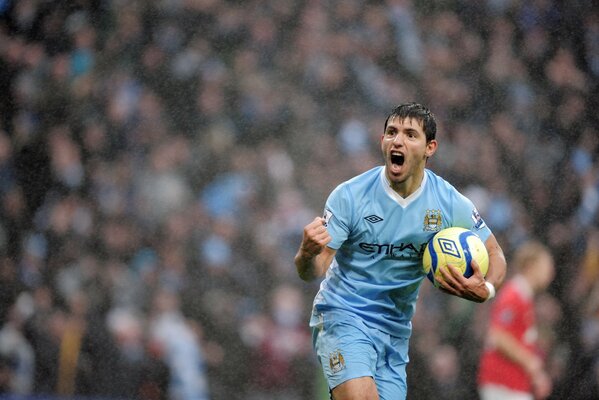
512	312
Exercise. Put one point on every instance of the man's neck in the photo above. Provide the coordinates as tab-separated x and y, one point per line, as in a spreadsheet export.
409	186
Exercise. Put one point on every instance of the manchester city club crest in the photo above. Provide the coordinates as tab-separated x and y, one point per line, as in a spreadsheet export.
432	221
336	361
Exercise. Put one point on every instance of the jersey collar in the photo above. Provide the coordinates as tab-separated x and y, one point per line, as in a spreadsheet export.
524	287
404	202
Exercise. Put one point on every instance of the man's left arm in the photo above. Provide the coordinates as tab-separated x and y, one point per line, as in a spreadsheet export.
477	288
497	264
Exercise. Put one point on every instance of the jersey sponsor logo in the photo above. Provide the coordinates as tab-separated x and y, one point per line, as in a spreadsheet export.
402	251
336	361
433	220
373	219
478	221
327	216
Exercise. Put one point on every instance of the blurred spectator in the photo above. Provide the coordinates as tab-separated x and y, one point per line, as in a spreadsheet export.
281	349
15	349
179	347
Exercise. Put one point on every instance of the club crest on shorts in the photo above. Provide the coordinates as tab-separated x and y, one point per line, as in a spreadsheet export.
336	361
432	221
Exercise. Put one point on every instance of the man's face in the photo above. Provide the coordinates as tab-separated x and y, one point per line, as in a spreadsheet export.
405	150
545	271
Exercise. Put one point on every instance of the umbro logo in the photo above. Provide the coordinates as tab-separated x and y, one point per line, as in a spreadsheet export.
373	219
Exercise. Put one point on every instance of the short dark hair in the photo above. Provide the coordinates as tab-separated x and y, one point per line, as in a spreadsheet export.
418	112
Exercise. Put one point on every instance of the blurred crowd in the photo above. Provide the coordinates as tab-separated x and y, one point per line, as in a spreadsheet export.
159	159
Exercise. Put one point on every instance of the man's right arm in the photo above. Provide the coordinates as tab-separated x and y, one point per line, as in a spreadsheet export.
512	349
314	257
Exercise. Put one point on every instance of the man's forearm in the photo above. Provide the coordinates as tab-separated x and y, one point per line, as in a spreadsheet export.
512	349
304	264
497	264
310	266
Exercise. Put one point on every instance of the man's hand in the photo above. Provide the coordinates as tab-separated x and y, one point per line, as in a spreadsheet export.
313	257
541	385
453	282
315	238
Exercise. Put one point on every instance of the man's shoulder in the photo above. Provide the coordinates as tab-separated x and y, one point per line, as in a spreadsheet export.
433	177
355	188
509	297
364	178
439	183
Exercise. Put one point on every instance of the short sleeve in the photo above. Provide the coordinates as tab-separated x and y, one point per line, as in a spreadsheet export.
337	216
466	215
505	313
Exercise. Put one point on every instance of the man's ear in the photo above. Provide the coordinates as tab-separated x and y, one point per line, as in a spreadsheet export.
431	148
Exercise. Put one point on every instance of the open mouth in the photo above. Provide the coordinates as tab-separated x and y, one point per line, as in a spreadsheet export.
397	158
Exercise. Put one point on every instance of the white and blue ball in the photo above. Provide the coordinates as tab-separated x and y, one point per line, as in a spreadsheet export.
456	247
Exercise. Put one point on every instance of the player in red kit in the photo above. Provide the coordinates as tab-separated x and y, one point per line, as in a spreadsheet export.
511	367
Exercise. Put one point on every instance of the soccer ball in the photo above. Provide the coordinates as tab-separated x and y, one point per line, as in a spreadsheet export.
456	247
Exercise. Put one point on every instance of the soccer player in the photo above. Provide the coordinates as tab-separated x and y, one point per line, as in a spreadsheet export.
370	243
511	366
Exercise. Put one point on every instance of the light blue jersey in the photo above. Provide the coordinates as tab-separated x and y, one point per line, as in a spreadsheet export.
380	237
